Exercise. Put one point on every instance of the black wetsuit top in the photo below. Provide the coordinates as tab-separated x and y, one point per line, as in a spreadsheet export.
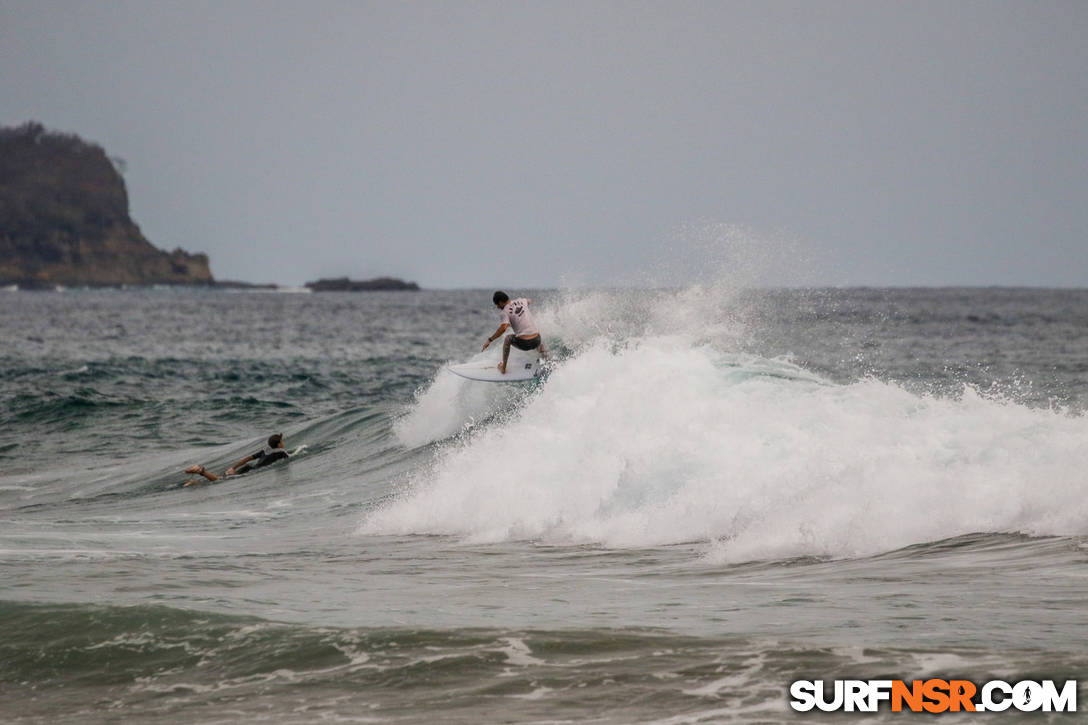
268	455
262	458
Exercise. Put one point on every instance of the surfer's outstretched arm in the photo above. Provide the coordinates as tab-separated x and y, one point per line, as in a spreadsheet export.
239	464
498	332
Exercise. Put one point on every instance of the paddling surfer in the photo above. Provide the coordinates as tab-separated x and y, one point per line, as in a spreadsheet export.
516	315
273	452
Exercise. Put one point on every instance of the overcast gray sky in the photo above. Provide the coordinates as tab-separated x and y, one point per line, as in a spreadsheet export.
517	144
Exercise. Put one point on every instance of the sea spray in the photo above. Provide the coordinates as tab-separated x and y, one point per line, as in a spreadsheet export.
451	405
697	292
662	441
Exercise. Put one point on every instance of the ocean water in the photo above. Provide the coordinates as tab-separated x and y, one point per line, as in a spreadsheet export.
710	495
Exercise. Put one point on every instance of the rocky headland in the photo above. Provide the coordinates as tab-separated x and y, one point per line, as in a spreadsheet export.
64	219
64	222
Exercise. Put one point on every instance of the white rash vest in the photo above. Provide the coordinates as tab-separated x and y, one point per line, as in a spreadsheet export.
516	314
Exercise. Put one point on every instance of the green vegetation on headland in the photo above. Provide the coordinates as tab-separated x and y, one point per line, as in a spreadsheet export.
64	222
64	219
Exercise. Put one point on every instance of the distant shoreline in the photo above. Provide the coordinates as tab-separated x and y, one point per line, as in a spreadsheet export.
378	284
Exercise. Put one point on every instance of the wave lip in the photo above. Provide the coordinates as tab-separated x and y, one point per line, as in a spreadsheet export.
662	441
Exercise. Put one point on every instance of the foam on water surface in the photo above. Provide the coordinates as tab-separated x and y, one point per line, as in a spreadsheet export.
641	439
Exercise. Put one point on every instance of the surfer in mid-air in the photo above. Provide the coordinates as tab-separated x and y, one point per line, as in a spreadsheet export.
270	454
526	335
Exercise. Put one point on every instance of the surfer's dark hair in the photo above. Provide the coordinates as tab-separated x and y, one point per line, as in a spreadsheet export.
500	298
275	440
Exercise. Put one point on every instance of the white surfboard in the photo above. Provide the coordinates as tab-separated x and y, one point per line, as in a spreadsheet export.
518	368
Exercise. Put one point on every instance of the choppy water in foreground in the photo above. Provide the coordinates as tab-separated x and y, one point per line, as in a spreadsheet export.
711	495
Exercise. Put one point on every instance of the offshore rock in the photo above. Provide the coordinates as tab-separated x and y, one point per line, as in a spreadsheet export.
343	284
64	219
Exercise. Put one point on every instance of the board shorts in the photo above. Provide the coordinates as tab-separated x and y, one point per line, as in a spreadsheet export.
531	344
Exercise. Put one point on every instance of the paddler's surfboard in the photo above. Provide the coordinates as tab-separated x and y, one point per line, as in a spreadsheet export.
518	368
